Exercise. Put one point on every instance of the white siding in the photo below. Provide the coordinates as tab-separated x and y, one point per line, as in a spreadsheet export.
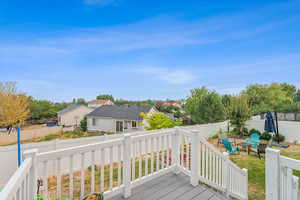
73	117
102	124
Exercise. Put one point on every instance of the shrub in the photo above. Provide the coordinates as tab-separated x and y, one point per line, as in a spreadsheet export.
253	130
83	124
266	136
245	131
280	137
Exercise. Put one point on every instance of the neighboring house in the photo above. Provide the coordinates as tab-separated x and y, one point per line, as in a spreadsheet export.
97	103
72	115
112	118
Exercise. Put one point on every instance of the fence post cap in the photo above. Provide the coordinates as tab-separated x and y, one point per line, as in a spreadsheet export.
126	135
31	151
271	150
226	154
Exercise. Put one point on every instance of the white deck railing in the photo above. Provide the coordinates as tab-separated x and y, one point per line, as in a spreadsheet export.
116	166
281	184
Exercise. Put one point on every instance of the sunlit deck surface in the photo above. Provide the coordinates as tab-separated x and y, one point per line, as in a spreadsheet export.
169	187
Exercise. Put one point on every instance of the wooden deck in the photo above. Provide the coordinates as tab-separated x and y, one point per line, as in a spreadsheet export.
169	187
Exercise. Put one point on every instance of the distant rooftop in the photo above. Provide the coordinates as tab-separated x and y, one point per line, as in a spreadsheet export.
69	108
100	101
126	112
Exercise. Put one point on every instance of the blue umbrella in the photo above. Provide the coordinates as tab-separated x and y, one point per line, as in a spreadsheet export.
269	123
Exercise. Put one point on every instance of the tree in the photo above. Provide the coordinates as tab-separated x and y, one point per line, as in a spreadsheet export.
289	89
83	124
159	120
42	111
297	96
239	113
81	101
105	97
13	106
272	97
205	106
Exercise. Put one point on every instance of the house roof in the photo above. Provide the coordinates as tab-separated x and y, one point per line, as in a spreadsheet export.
99	101
128	112
171	103
69	108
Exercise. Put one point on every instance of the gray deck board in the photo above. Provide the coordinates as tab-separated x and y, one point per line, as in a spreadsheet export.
170	187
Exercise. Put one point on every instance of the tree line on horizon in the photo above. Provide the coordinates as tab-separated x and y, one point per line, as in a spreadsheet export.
201	106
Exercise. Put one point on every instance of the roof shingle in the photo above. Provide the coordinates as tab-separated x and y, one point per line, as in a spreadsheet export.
131	112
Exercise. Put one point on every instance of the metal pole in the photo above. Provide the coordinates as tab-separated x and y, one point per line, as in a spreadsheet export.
19	146
277	129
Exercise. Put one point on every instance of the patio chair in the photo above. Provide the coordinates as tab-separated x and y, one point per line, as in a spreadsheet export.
253	140
260	149
231	149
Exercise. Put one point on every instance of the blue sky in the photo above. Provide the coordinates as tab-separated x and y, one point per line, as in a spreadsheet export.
138	49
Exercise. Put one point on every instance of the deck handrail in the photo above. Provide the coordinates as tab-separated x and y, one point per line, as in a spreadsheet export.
121	164
281	184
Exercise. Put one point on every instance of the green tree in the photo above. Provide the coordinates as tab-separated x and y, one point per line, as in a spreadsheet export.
159	120
272	97
81	101
205	106
239	113
105	97
83	124
297	96
289	89
42	111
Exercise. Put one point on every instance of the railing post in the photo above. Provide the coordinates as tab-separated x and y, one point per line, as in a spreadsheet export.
246	183
32	153
176	151
195	150
226	174
272	170
127	165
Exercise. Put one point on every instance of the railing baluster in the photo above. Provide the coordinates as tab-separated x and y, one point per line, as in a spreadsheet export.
82	175
27	187
152	154
111	170
133	159
45	179
157	154
71	177
93	171
163	152
211	165
58	178
119	164
146	156
181	151
102	175
140	158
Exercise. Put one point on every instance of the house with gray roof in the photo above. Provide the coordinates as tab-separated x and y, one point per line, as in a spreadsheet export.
72	115
113	118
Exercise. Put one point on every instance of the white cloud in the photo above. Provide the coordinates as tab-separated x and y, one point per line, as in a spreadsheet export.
172	76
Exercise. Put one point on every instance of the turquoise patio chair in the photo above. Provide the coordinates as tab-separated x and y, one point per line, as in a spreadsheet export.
254	140
229	147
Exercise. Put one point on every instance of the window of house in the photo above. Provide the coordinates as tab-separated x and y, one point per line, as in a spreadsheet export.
94	122
133	124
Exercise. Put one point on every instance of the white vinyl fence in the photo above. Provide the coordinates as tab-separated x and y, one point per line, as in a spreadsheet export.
281	184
